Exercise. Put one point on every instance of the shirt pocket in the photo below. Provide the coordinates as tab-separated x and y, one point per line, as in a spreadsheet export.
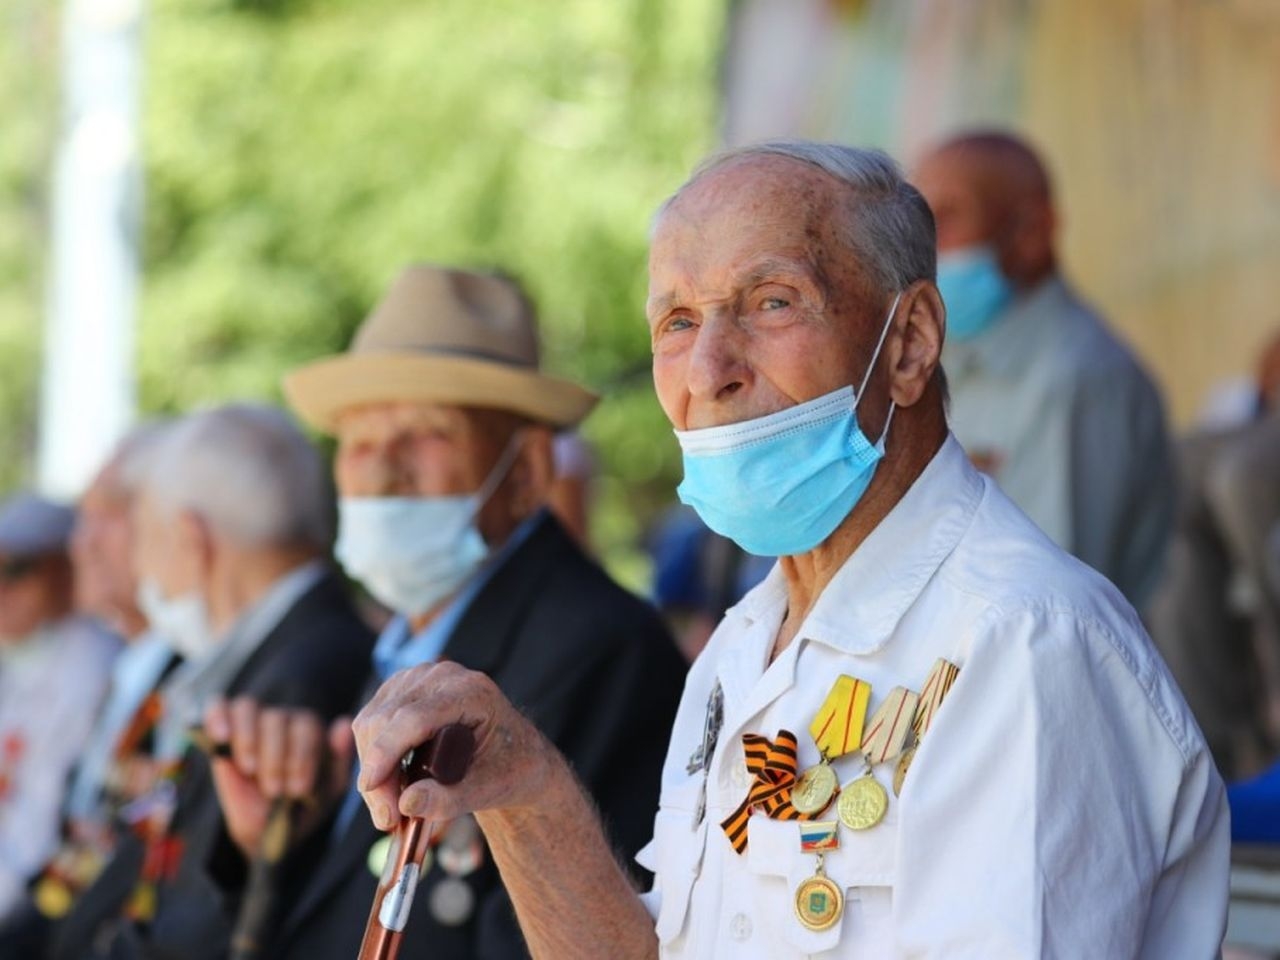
675	857
863	868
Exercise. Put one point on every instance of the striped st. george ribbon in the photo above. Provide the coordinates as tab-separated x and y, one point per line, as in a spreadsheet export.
887	732
773	766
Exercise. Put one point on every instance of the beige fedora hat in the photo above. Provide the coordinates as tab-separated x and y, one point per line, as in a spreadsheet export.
440	336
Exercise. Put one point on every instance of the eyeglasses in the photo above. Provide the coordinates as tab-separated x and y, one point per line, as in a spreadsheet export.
13	569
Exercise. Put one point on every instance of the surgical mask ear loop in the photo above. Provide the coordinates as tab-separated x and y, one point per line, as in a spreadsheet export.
499	471
866	377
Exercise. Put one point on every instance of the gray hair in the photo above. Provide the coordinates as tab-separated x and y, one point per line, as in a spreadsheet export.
133	455
249	472
890	226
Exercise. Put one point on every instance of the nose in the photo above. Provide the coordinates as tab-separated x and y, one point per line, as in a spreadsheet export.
717	365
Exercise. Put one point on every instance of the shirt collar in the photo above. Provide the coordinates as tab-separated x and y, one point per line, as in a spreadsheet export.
859	609
195	682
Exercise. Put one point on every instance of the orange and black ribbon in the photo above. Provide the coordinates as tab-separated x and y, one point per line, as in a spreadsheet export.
773	764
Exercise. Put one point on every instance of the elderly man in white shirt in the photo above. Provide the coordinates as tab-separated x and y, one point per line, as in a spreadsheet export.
929	732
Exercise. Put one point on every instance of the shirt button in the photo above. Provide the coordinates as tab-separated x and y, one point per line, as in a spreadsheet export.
740	927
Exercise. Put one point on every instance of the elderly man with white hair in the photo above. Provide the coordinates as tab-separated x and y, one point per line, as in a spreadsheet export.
233	525
930	732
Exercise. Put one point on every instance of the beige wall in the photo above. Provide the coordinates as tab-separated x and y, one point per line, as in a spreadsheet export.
1160	120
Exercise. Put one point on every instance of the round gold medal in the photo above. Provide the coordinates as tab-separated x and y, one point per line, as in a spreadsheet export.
819	903
900	772
863	803
813	791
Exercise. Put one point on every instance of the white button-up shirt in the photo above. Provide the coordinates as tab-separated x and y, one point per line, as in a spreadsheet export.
1062	804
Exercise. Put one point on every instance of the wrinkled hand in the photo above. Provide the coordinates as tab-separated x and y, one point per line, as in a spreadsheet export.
512	759
275	753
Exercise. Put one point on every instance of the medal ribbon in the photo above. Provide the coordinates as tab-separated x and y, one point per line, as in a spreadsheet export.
941	676
890	724
837	727
773	764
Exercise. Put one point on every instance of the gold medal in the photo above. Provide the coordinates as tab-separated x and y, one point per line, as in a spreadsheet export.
900	772
813	791
819	902
863	803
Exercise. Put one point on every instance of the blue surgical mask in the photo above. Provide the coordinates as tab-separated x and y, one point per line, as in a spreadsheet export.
411	553
780	485
973	290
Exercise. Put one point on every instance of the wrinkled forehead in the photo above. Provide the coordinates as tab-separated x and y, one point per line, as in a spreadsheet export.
752	211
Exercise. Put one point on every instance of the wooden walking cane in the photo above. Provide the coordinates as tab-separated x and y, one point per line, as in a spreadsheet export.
257	911
445	758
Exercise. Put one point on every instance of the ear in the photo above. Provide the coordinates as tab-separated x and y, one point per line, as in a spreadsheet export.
195	540
533	472
915	346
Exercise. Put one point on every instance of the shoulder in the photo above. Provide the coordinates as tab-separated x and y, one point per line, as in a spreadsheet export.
1027	611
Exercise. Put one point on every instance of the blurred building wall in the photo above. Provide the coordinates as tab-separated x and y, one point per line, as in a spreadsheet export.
1160	120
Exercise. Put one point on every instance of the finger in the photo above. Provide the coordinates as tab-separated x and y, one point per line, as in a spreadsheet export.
432	802
305	747
273	741
342	748
244	734
217	720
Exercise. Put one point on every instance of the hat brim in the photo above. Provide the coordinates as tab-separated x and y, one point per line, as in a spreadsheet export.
320	391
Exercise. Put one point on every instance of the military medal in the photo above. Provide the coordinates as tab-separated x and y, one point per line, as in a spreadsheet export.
936	687
836	730
452	901
700	759
819	901
864	802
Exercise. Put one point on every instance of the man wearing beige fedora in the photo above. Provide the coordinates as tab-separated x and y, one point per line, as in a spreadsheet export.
444	424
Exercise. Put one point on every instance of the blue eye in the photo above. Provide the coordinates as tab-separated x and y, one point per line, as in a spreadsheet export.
775	303
679	323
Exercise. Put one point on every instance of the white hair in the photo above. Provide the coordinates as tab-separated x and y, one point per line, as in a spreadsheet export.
890	227
133	456
249	472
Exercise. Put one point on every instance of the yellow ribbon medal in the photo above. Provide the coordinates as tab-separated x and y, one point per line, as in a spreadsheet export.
936	687
837	730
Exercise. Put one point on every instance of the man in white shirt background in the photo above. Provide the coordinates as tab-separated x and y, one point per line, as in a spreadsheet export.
54	669
1060	803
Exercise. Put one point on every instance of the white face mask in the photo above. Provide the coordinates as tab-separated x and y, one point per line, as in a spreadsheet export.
183	621
413	552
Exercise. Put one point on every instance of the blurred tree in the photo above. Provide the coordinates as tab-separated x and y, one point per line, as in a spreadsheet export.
298	152
28	104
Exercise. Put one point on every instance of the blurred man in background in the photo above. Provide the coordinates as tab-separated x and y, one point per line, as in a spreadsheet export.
444	424
232	524
1044	397
54	669
113	767
1217	614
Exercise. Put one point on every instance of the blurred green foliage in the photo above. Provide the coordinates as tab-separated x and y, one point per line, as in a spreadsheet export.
298	152
28	106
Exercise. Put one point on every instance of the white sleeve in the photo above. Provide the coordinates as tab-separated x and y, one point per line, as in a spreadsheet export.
1060	807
